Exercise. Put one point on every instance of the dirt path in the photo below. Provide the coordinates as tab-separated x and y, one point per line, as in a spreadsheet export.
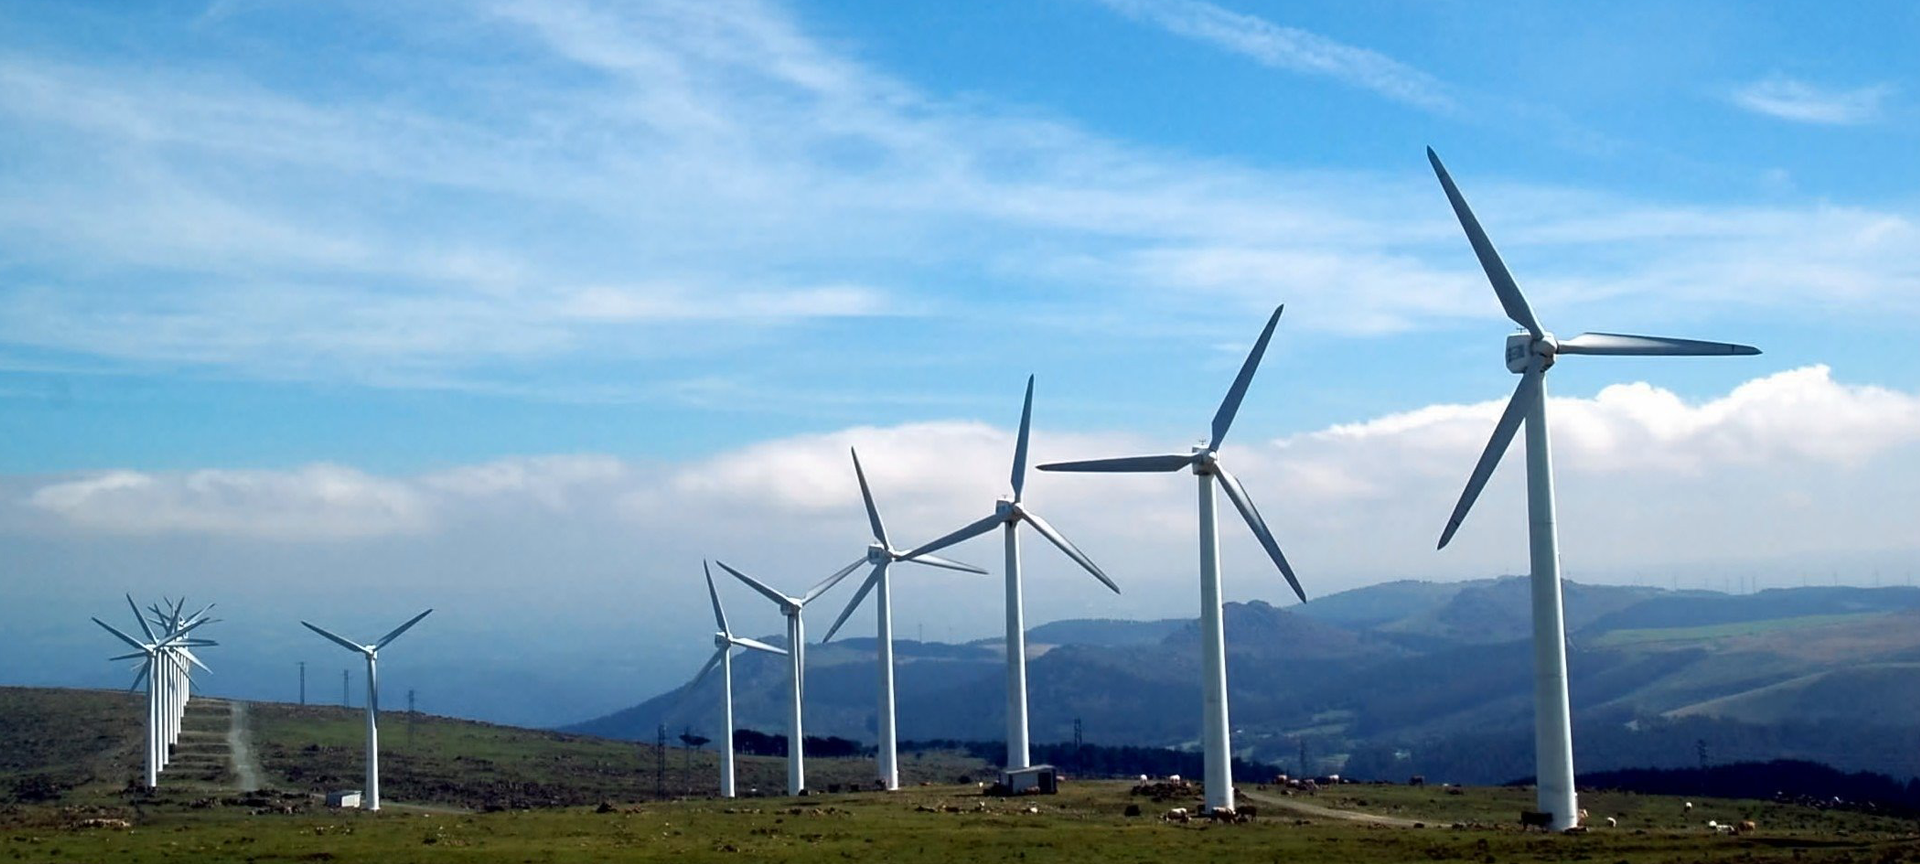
1305	809
240	749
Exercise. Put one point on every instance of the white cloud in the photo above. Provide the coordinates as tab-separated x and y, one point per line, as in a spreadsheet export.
1799	101
318	501
1290	48
1351	502
640	166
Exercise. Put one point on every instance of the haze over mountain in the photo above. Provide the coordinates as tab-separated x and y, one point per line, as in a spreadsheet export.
1412	677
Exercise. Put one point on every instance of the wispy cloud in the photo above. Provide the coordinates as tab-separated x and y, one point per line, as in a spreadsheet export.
1799	101
1290	48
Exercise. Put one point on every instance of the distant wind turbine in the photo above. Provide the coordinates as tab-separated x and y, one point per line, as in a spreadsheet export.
792	607
1008	513
723	645
1205	462
153	654
1530	354
370	796
882	555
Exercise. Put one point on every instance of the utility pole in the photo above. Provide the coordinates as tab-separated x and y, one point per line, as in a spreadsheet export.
345	692
303	682
660	764
1303	759
1079	748
411	714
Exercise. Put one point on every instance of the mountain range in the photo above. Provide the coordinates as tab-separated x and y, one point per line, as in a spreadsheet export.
1407	678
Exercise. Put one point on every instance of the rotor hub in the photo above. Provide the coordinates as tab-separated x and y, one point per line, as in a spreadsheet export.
1006	510
720	640
1204	459
878	554
1522	348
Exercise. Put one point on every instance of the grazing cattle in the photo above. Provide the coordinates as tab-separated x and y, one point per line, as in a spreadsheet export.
1417	780
1688	806
1177	814
1746	826
1612	822
1536	819
1173	778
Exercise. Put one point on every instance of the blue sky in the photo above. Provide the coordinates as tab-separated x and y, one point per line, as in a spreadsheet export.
362	282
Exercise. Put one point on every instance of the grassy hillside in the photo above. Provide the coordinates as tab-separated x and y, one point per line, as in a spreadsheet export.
1087	823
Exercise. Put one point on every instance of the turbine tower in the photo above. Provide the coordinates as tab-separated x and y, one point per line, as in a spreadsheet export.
1530	354
723	644
882	555
792	607
370	796
1008	513
1205	462
153	654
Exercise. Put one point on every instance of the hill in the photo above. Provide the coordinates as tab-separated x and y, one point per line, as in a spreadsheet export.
1413	676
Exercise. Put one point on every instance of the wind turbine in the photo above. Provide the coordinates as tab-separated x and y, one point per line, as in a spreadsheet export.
882	555
1530	354
1008	513
792	607
176	662
1205	462
723	644
151	652
370	796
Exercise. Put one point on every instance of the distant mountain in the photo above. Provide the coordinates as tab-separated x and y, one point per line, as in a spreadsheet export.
1408	675
1108	632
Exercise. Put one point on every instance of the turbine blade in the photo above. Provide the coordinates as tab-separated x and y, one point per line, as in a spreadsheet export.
140	675
873	513
140	618
1067	546
1238	495
756	585
344	641
872	580
828	583
757	645
1020	444
1125	464
137	655
711	662
1503	285
144	647
1490	457
968	532
946	563
196	661
719	616
1223	418
400	629
1619	344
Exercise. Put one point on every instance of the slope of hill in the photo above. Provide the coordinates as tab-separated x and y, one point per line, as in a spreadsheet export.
1412	669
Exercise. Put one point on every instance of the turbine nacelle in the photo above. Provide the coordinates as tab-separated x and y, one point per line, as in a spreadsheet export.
1522	347
1006	510
1205	460
878	554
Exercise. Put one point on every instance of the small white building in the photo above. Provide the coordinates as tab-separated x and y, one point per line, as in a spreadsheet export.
1033	779
344	798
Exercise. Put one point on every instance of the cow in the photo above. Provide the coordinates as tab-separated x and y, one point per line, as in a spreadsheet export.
1612	822
1536	819
1177	814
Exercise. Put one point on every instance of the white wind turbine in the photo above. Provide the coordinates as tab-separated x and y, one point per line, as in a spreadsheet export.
370	796
792	607
882	555
1008	514
723	645
1530	354
1206	466
176	660
152	653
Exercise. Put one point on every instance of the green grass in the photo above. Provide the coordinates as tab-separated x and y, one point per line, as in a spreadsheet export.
483	766
940	824
1651	636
